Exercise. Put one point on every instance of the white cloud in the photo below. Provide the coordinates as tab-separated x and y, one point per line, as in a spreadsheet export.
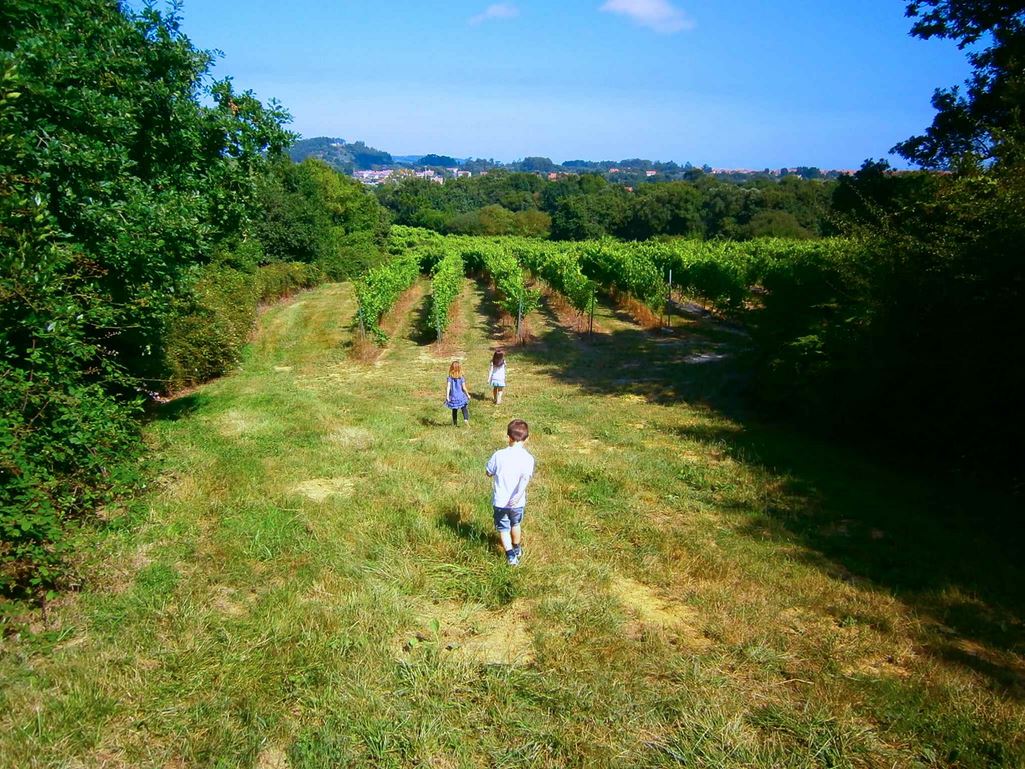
659	15
496	11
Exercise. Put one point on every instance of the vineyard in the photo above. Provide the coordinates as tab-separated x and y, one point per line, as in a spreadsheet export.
788	292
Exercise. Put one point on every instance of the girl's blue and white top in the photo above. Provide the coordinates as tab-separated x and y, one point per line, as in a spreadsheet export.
456	397
496	375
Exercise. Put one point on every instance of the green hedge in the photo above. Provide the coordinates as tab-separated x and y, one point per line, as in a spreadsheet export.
69	435
207	340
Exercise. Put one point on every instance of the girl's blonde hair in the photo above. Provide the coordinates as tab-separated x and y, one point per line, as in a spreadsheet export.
455	370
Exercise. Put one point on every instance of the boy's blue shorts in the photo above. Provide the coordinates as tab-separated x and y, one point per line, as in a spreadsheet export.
507	517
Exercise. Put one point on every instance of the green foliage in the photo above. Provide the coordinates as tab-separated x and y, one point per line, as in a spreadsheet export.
378	290
438	161
354	253
116	182
560	268
986	121
206	339
491	256
497	220
587	207
311	213
673	208
625	269
776	224
446	283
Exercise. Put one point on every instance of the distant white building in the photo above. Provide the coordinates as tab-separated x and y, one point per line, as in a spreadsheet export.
430	174
373	177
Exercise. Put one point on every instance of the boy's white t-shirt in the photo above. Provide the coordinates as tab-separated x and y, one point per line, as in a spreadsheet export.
511	469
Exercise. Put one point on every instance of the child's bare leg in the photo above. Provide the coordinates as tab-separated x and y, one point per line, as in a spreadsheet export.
506	539
498	394
516	536
494	394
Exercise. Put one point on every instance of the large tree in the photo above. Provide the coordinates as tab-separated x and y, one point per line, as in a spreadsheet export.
985	121
123	167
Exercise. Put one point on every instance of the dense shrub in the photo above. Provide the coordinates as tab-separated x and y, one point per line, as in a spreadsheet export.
116	182
206	339
912	330
353	254
67	434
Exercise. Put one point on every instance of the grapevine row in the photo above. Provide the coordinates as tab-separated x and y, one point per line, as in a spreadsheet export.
559	267
727	274
446	283
378	290
494	258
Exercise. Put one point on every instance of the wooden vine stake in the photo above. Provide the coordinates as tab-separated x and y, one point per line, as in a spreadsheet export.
590	323
669	300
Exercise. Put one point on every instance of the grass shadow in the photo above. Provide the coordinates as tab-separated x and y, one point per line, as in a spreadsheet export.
662	368
421	333
488	307
949	551
177	409
432	422
469	530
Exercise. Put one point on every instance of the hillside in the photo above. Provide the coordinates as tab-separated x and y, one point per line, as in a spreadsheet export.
313	581
339	154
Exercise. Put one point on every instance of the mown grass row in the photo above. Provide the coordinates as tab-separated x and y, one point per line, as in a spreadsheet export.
316	583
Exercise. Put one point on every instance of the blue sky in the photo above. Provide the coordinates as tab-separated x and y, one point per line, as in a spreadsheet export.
732	84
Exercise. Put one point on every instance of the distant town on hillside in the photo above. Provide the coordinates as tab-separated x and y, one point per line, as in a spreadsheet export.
373	166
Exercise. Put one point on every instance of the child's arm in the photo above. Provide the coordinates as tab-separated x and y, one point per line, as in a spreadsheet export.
515	499
465	390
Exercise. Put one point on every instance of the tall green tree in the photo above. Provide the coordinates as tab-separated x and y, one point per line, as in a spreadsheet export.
122	167
985	121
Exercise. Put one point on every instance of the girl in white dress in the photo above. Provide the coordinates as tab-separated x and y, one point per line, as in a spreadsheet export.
496	375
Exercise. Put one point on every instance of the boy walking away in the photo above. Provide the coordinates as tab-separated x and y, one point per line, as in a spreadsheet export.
511	469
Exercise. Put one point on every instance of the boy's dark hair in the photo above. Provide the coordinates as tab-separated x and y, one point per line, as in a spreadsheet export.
518	430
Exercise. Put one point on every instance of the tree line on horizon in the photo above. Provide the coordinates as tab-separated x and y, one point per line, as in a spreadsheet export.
348	157
586	206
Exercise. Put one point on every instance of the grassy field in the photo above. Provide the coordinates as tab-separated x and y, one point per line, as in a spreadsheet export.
312	580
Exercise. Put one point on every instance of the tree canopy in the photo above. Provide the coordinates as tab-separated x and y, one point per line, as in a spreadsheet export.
985	121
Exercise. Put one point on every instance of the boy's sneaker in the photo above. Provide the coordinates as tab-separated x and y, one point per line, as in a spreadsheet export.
518	551
512	558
